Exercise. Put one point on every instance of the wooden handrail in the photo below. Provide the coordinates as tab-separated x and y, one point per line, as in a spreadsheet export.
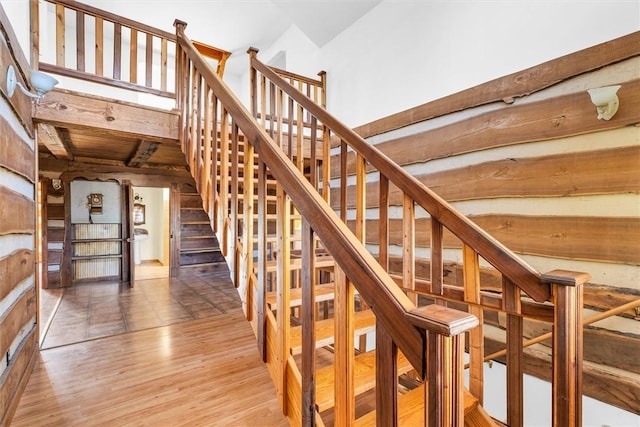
389	303
520	273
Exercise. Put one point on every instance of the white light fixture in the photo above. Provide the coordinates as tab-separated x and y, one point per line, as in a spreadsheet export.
605	100
41	82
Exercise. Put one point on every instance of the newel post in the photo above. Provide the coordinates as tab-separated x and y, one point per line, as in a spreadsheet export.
444	368
567	292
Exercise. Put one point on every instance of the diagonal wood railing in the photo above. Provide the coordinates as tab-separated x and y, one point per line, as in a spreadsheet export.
355	161
227	150
223	142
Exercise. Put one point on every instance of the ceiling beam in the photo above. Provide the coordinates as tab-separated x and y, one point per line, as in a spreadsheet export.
142	154
50	137
67	109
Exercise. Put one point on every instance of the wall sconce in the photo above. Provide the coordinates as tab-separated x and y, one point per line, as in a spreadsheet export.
605	100
42	83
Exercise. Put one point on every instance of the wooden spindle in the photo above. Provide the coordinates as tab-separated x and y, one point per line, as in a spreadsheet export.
224	178
60	36
511	303
262	259
247	232
361	197
148	68
308	326
408	246
383	227
233	212
476	337
164	55
80	52
343	181
313	168
344	410
386	378
99	51
437	262
283	286
133	56
117	51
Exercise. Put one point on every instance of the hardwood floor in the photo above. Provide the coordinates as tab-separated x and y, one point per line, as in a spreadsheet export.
95	310
202	372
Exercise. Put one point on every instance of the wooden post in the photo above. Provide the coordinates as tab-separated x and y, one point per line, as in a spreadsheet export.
283	287
515	370
476	336
567	291
308	327
344	350
445	328
262	260
386	379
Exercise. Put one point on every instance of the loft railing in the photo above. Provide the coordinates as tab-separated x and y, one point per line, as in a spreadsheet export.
78	41
521	291
237	164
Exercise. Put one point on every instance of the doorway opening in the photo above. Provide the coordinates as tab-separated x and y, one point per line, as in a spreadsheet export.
151	231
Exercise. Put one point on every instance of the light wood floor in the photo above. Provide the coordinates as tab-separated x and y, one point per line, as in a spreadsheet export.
203	372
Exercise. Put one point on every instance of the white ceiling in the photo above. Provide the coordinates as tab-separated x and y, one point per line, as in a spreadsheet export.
235	25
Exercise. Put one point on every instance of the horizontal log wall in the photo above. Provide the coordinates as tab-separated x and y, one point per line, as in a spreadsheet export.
18	304
539	172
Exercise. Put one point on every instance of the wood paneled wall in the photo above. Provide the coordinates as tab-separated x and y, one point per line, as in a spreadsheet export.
18	302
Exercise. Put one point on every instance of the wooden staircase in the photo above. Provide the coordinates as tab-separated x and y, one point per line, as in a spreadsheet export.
312	290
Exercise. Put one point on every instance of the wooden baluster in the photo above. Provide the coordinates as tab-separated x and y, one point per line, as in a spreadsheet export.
198	114
278	119
300	135
511	303
567	291
326	163
133	56
386	378
253	84
117	51
80	54
215	149
283	286
408	247
476	338
361	197
99	51
344	410
194	139
247	233
223	204
205	175
34	27
164	54
233	230
263	103
60	36
262	259
343	181
290	124
383	228
272	109
437	263
308	326
148	79
326	140
313	172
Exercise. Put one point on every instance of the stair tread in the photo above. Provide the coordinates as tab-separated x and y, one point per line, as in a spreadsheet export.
321	262
364	378
410	408
365	322
323	292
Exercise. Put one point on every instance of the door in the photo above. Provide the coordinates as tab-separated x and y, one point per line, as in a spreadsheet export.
128	263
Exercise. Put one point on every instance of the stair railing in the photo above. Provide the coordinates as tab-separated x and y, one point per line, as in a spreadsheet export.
352	162
223	143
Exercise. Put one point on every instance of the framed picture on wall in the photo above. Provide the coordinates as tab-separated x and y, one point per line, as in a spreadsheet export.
138	214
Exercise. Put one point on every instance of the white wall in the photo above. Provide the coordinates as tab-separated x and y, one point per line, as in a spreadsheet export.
406	53
110	202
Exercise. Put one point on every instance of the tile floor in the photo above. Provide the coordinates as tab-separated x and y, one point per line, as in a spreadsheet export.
93	310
